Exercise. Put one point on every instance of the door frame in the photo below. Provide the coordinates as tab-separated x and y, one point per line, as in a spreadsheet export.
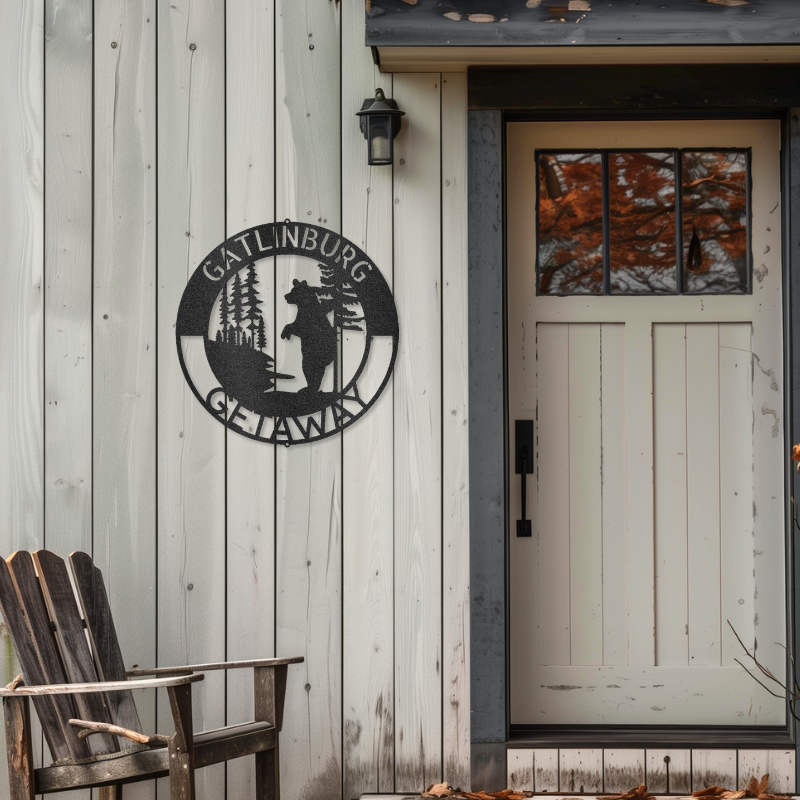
497	96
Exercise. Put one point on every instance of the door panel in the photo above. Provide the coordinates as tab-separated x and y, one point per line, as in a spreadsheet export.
657	502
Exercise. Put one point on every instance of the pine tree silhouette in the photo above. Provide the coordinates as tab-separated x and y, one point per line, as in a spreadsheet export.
237	305
253	313
261	337
224	312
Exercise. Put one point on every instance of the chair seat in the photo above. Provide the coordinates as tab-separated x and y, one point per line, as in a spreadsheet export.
210	747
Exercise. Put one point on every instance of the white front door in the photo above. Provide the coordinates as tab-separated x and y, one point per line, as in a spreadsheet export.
657	499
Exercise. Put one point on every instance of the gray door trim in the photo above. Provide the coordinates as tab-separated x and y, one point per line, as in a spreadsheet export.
487	435
487	496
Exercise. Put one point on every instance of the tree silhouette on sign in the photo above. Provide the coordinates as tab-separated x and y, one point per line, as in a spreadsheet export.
237	308
341	297
252	313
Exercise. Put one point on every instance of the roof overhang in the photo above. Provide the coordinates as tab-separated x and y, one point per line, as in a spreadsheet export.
417	35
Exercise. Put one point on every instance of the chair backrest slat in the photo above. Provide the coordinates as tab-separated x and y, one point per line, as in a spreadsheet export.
103	637
73	645
25	613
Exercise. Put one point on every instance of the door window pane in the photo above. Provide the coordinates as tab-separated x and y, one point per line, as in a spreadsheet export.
570	219
715	247
643	222
642	229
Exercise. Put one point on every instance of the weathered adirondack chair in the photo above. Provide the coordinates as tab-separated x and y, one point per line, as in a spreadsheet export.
83	696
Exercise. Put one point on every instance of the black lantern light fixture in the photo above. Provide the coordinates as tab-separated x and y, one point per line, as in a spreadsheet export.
380	123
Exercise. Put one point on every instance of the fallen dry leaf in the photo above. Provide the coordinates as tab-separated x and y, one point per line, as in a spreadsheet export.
755	788
506	794
729	2
453	15
533	3
579	5
439	790
481	18
639	793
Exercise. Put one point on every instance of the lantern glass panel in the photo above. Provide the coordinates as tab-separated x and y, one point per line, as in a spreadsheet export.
380	139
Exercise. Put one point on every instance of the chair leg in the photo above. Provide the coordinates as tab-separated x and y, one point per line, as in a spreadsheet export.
18	748
268	785
181	745
111	792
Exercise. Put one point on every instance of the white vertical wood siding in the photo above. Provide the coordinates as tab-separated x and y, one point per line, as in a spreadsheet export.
168	127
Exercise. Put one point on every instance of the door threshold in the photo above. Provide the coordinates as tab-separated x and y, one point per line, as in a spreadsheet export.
655	736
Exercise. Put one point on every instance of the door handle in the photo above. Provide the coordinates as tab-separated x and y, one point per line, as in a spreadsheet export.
523	462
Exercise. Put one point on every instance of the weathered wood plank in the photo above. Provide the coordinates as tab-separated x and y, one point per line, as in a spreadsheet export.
671	574
778	764
455	448
51	712
72	644
769	424
41	647
585	496
668	771
68	351
308	479
103	637
713	768
738	585
124	343
367	452
417	437
520	770
68	276
639	383
752	764
545	770
552	415
191	457
781	765
250	482
580	771
703	434
614	479
623	770
22	302
19	762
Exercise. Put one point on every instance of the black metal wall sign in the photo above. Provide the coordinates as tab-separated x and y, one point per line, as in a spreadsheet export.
287	350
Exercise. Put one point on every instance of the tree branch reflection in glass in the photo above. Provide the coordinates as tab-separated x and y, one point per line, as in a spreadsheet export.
570	218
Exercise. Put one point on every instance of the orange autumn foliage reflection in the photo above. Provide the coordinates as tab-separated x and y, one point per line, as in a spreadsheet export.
570	223
642	222
715	220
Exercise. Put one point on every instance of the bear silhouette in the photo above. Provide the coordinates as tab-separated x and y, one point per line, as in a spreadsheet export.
317	335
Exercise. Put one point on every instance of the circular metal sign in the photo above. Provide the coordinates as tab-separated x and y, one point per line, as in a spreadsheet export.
287	333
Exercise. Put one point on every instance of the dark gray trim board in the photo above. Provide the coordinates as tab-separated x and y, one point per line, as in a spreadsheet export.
610	87
488	555
791	237
623	22
487	523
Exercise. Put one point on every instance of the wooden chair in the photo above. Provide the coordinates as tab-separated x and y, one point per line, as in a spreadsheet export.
73	670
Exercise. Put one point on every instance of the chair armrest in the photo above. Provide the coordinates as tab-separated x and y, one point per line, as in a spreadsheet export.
264	662
107	686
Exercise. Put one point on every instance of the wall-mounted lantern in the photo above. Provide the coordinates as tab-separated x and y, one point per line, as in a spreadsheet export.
380	123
